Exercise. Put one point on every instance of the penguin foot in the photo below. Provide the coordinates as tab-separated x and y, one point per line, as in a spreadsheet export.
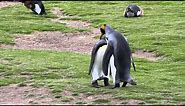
124	84
132	82
95	84
117	85
106	81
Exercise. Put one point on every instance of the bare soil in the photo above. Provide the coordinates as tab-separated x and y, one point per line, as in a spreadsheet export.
146	55
27	95
71	98
58	41
7	4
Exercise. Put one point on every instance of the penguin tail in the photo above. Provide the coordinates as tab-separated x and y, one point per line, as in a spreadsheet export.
133	64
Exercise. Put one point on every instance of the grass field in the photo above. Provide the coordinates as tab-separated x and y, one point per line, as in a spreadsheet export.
160	31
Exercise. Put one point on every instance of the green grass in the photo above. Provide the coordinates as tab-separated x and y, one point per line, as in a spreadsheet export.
19	19
161	30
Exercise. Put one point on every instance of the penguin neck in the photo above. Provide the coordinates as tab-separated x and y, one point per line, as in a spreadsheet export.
108	30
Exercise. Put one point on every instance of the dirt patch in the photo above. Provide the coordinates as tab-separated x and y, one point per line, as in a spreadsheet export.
146	55
61	14
70	23
79	42
7	4
104	99
58	41
27	95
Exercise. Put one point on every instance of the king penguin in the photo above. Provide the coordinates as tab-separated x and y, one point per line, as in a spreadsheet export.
133	11
117	56
36	6
95	68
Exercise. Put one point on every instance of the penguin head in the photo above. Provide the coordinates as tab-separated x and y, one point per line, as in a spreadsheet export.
105	30
29	4
129	10
102	30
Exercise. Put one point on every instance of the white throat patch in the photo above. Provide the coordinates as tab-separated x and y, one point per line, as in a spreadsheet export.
37	9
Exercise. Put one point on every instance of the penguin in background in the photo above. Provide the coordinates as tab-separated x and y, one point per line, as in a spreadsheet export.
35	5
133	11
117	57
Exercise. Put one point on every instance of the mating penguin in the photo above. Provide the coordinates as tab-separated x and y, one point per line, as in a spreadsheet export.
117	56
133	11
95	68
35	5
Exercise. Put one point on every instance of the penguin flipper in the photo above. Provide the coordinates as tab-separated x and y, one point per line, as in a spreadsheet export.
106	58
94	51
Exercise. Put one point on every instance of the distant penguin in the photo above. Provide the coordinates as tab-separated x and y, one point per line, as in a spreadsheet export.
133	11
35	5
117	56
95	68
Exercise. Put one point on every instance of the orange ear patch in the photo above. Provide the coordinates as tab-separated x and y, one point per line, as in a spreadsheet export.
103	26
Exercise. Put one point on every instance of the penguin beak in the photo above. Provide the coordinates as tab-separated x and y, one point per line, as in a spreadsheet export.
102	36
30	6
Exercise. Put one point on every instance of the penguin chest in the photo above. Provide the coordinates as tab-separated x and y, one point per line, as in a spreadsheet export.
138	13
130	14
99	57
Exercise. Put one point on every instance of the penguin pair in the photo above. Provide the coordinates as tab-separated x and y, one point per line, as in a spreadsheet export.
133	11
35	5
111	55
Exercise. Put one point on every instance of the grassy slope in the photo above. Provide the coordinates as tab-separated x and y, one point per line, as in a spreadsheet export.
160	30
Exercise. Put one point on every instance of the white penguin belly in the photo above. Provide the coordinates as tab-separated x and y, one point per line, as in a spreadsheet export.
97	70
113	69
99	55
37	9
130	14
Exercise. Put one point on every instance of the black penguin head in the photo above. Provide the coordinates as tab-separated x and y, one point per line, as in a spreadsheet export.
102	30
129	10
29	4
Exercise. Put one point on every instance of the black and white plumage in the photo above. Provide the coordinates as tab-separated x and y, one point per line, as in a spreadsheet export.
95	68
35	5
117	56
133	11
